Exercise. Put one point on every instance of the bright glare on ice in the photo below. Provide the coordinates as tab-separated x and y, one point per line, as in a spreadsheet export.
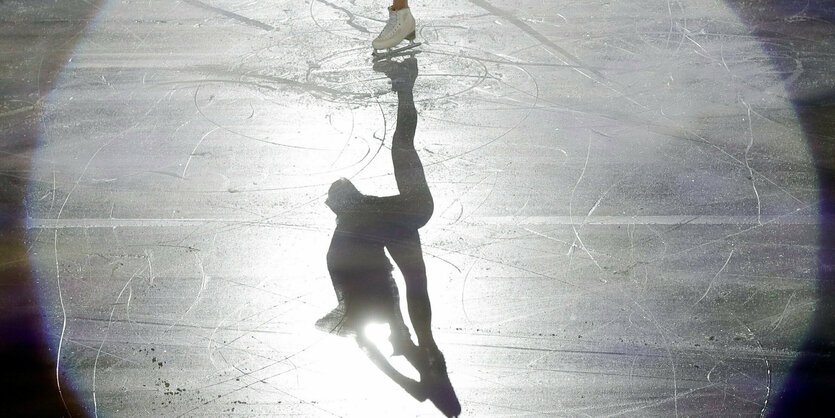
378	334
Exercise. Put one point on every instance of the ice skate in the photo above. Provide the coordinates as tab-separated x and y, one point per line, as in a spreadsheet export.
435	382
400	26
433	367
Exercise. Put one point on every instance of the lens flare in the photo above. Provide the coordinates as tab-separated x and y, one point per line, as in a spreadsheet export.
378	334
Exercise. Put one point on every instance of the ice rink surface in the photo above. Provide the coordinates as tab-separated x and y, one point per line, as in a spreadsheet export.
630	213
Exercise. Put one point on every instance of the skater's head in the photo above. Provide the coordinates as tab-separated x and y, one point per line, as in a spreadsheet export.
342	196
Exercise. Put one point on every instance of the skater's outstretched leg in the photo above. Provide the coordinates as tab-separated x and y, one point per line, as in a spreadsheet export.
408	171
414	205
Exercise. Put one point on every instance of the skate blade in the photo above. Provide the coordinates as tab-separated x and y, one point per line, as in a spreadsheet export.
445	400
396	52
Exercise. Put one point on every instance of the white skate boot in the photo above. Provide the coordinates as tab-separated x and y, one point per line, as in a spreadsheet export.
400	26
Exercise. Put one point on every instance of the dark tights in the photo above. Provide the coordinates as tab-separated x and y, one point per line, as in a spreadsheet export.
400	217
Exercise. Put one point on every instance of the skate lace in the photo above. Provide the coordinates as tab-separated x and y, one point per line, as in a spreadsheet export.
391	25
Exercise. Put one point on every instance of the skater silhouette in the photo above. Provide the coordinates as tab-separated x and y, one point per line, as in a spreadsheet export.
361	272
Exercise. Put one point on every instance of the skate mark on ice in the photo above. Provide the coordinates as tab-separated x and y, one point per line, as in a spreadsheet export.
367	95
503	134
523	26
381	139
536	35
228	345
671	28
773	221
483	201
106	334
63	324
504	59
231	15
741	163
548	237
659	402
579	286
351	17
676	221
58	275
457	201
464	291
571	215
336	33
302	87
586	218
204	281
263	380
668	345
347	139
200	84
767	365
747	160
782	315
193	151
554	49
710	285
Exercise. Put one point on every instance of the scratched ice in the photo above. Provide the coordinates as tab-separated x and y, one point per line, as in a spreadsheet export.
624	222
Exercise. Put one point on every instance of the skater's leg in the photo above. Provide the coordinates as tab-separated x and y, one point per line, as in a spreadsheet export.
408	256
339	290
401	340
413	207
336	320
399	4
408	170
404	130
